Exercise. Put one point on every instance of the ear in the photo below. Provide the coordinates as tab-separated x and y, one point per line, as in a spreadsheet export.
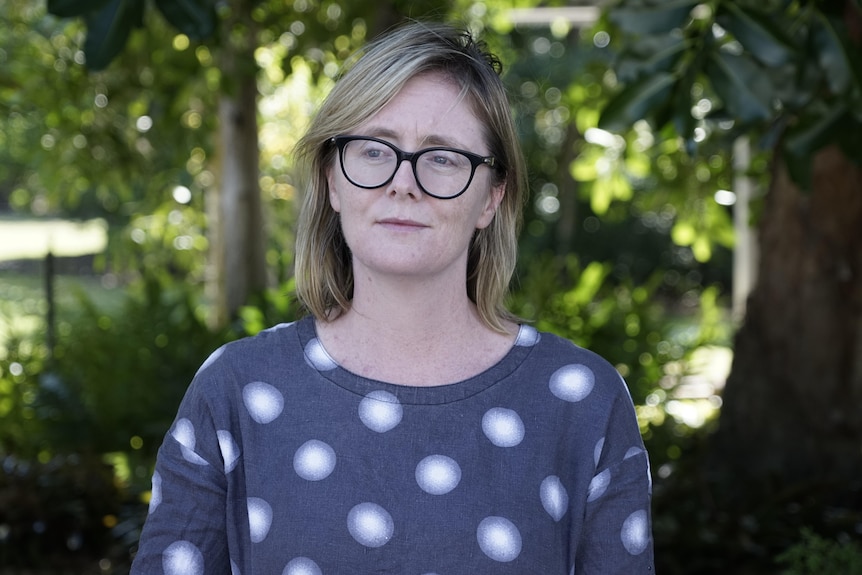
334	199
495	196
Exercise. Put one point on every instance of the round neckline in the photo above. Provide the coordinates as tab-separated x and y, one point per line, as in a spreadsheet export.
319	359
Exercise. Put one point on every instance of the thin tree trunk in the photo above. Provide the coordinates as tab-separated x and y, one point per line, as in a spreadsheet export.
793	403
237	240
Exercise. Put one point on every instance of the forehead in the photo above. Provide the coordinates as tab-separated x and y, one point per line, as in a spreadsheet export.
430	109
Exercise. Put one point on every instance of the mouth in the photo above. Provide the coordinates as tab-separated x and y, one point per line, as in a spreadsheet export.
400	223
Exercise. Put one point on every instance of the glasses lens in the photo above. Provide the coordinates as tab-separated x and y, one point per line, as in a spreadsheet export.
368	163
444	173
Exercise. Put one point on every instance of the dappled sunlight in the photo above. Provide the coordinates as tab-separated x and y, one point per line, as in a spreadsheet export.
28	239
690	390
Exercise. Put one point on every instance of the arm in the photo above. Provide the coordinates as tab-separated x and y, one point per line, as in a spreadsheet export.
617	535
185	531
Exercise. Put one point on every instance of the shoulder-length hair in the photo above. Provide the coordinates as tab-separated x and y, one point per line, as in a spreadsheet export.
324	275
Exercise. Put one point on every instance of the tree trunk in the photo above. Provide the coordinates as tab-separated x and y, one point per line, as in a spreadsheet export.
792	411
237	240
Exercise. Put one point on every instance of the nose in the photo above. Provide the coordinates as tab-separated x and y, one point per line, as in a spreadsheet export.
404	180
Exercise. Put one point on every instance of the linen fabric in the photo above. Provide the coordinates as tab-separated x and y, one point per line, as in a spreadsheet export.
282	462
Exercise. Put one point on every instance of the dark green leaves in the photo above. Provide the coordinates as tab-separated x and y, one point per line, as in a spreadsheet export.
194	18
758	34
72	8
110	22
108	30
636	101
841	70
742	85
762	68
651	17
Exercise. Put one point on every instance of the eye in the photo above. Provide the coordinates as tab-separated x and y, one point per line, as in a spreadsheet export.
371	151
443	159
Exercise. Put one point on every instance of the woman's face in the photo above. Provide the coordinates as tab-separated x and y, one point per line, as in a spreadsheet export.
397	229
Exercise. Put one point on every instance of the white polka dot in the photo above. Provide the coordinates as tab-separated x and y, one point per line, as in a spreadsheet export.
302	566
597	451
438	474
317	357
527	336
259	519
380	411
263	402
572	382
229	449
370	525
635	533
314	460
499	539
599	485
184	433
182	558
211	359
555	498
633	451
503	427
156	493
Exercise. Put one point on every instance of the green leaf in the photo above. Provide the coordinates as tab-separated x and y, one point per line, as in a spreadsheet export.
195	18
833	56
637	101
742	86
757	33
73	8
109	29
651	19
816	130
649	55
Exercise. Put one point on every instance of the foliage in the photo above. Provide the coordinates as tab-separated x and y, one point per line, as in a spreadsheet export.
630	327
109	23
81	427
57	511
116	380
785	70
708	523
814	555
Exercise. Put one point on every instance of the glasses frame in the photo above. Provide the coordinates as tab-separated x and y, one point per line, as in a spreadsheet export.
476	160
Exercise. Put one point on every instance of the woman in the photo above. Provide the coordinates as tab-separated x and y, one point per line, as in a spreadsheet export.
410	424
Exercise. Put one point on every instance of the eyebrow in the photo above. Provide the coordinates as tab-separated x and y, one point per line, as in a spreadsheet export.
431	140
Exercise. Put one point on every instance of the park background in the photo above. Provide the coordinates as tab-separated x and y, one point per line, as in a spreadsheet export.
695	217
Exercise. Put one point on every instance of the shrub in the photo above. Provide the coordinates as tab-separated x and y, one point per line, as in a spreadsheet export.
816	555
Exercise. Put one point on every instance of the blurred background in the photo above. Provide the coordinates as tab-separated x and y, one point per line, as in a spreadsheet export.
695	217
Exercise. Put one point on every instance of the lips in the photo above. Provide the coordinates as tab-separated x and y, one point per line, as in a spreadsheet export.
401	223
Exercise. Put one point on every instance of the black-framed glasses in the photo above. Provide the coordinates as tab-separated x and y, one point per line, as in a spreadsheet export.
440	172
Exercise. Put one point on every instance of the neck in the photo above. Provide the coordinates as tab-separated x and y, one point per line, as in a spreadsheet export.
414	332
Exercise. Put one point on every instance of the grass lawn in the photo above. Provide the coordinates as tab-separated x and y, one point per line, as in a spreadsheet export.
23	302
23	305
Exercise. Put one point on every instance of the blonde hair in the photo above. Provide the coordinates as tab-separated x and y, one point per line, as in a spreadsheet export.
324	276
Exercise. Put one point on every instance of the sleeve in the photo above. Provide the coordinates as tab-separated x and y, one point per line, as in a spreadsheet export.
617	535
185	531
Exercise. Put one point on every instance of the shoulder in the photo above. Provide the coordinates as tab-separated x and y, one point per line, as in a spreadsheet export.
255	357
559	350
252	347
573	372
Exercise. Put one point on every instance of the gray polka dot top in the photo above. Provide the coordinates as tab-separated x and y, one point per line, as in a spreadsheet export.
281	462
